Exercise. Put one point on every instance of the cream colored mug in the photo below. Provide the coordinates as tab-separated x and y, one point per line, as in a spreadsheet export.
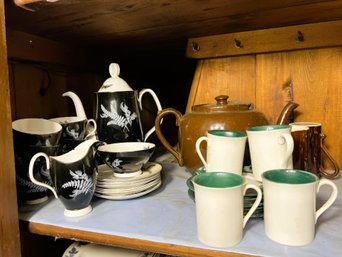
290	211
225	150
270	147
219	207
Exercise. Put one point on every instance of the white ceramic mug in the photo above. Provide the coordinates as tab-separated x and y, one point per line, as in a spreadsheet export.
225	150
290	205
270	147
219	207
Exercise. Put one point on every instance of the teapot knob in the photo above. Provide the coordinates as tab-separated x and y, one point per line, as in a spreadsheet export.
222	99
114	69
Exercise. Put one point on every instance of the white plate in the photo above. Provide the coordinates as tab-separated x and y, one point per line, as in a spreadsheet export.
105	174
125	184
131	190
126	197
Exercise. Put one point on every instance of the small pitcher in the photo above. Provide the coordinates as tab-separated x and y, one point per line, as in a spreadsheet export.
73	177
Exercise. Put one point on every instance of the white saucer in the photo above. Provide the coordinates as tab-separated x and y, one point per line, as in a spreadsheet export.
128	190
129	196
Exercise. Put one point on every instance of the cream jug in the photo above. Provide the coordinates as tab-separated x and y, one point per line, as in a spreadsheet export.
73	177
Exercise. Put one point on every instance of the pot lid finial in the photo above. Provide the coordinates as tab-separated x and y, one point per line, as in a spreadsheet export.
114	83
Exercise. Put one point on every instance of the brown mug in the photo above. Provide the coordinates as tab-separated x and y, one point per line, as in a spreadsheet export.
309	148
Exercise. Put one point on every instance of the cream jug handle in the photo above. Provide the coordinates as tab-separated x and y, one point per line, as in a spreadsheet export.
331	198
255	204
198	150
32	161
156	100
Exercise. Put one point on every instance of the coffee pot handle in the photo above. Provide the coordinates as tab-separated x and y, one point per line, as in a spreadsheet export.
31	176
331	198
198	150
157	102
255	204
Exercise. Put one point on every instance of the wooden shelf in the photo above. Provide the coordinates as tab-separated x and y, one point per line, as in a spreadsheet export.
164	222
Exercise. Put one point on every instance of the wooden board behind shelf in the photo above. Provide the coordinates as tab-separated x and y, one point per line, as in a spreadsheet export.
316	76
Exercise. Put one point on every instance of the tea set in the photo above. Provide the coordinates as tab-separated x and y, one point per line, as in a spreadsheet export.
241	166
65	155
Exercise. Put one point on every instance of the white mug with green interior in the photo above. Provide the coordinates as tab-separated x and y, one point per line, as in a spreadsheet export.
224	151
290	211
270	147
219	207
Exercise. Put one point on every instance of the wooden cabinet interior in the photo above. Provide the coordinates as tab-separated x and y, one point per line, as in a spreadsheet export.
44	62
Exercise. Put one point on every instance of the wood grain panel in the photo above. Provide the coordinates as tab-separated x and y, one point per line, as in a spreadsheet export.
234	77
9	228
317	77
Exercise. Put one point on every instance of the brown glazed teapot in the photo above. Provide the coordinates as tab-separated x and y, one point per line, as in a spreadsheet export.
231	115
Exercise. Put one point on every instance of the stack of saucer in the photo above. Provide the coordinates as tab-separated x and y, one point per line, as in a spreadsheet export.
121	188
249	198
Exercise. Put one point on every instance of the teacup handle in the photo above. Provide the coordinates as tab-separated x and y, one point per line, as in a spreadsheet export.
156	100
256	202
331	198
288	139
32	161
92	132
198	150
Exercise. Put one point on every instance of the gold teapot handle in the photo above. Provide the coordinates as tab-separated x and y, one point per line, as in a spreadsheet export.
168	111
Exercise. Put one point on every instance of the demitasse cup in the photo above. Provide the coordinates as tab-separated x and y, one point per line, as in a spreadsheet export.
225	150
220	207
73	177
290	205
75	128
36	131
270	147
309	149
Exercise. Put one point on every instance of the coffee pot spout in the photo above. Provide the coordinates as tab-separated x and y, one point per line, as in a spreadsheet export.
77	103
286	115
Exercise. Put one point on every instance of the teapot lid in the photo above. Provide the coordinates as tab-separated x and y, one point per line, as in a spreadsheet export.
222	105
114	83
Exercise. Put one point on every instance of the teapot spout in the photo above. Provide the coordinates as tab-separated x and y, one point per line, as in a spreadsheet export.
286	115
77	103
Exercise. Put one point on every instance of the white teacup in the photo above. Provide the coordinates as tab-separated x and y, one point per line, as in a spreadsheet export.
225	150
219	207
290	205
270	147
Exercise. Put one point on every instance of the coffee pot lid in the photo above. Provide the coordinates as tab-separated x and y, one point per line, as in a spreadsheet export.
114	83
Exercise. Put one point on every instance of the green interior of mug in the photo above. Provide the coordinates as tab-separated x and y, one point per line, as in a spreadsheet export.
227	133
268	127
218	179
288	176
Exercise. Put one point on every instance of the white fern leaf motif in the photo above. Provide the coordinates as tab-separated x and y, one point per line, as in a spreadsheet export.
72	133
33	188
82	184
116	119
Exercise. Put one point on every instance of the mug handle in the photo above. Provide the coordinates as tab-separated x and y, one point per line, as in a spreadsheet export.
156	100
331	198
198	149
256	202
93	128
32	161
333	162
289	148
